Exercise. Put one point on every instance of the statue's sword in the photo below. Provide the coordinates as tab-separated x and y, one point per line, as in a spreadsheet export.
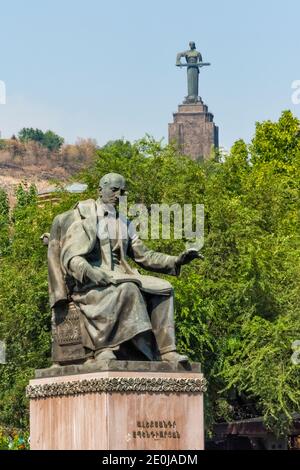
199	64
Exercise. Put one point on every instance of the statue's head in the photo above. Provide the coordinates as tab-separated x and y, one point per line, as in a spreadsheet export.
111	187
192	45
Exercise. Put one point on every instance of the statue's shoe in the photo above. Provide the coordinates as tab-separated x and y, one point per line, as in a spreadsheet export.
174	356
89	361
105	355
55	365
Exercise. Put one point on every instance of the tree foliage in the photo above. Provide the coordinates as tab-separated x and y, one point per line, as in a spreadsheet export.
237	312
48	139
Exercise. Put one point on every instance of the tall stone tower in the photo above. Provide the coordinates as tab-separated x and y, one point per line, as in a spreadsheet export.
193	127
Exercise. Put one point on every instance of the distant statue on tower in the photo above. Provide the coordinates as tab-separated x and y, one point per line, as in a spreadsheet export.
193	128
193	63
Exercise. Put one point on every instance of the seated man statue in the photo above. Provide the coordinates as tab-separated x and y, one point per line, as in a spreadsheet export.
120	309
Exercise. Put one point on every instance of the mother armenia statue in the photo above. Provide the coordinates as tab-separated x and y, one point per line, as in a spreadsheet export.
102	308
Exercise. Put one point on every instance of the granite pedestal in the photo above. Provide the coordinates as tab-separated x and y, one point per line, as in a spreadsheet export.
194	130
119	405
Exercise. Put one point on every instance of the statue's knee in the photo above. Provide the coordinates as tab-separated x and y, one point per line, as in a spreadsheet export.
130	288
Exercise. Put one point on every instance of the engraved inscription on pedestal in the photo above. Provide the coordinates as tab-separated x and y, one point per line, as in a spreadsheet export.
156	430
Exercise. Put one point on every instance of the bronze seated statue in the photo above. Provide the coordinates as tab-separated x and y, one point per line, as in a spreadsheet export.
102	308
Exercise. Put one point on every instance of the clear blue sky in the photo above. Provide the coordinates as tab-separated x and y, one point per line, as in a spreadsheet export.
106	69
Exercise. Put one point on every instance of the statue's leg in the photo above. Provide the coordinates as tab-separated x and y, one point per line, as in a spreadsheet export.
144	343
193	82
113	315
161	310
196	83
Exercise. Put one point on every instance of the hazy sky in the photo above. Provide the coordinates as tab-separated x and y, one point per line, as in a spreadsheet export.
106	69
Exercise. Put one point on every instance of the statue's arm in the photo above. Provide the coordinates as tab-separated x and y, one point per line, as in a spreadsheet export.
178	57
78	268
152	260
155	261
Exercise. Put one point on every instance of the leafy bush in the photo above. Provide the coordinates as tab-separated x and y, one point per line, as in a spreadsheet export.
237	312
13	440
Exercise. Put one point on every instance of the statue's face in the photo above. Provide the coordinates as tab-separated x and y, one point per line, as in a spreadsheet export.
111	191
192	45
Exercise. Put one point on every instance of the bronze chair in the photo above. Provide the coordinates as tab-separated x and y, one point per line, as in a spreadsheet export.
67	326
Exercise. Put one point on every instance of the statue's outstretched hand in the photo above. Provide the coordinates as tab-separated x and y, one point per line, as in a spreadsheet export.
188	256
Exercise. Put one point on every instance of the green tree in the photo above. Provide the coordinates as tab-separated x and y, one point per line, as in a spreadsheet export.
278	141
48	139
52	141
237	312
28	133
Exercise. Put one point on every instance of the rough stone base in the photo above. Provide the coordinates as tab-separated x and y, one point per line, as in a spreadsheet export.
194	130
113	410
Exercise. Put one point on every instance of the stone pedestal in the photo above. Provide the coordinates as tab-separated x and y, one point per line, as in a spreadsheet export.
118	409
194	130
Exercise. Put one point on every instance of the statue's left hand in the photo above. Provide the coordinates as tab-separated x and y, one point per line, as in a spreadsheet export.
188	256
